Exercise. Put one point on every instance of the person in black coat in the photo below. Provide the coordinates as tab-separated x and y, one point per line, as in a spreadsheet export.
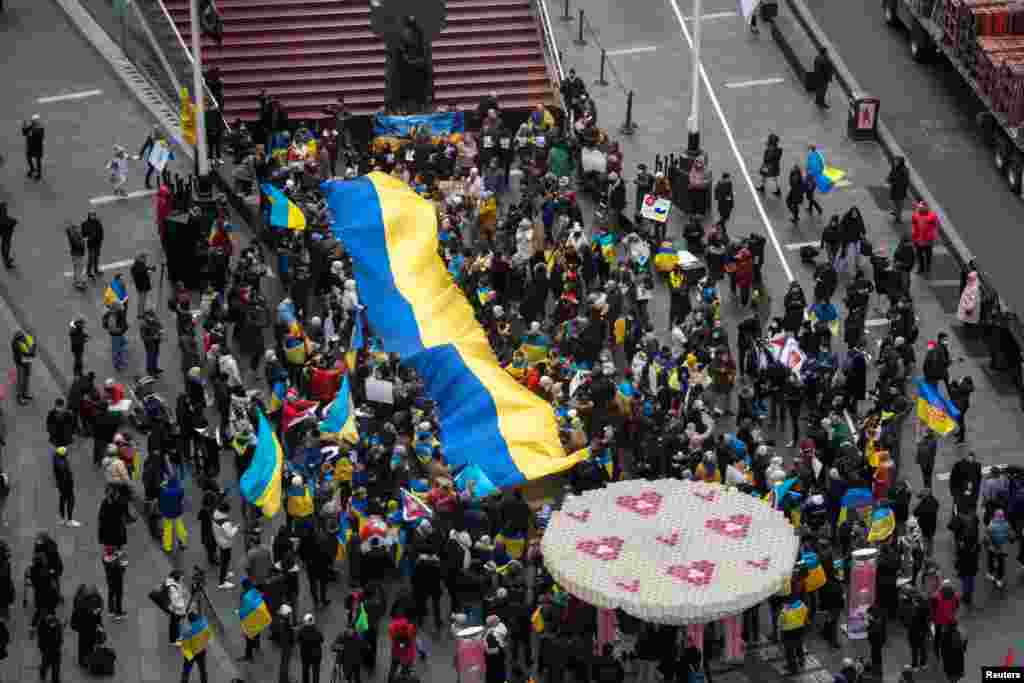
112	529
45	587
86	620
7	225
50	639
771	164
92	231
927	514
878	634
725	199
34	134
797	191
821	75
899	185
616	199
426	547
311	649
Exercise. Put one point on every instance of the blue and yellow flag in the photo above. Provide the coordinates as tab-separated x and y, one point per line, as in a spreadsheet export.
261	482
853	501
195	636
883	523
357	342
535	347
277	396
254	613
115	292
934	409
419	313
280	211
339	424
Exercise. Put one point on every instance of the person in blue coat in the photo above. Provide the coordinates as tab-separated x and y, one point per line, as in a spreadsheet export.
815	170
172	505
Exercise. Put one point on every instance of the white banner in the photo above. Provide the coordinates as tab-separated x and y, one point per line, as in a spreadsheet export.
748	7
379	391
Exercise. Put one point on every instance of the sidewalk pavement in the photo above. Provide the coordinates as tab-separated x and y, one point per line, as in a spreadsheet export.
756	93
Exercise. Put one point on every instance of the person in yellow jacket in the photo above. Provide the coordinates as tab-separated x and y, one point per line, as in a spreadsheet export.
792	622
23	348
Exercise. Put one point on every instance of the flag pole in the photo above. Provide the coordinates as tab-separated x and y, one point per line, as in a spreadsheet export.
202	162
693	124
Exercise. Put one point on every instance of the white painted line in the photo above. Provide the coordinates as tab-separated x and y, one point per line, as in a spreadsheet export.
876	322
797	246
70	96
116	265
631	50
111	198
750	84
944	283
715	15
735	148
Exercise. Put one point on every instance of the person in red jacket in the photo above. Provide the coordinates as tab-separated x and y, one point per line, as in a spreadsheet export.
924	232
744	274
403	644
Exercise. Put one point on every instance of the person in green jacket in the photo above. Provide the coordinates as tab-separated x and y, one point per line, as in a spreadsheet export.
560	161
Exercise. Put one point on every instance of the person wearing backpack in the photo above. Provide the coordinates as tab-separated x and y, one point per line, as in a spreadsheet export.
23	348
115	322
403	644
936	365
998	536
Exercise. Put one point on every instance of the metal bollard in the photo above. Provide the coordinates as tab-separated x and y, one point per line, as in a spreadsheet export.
600	80
565	12
580	40
628	128
657	163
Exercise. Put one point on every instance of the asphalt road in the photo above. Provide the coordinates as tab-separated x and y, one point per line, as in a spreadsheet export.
932	114
44	57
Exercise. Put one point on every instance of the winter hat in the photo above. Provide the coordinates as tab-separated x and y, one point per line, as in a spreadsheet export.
285	611
308	620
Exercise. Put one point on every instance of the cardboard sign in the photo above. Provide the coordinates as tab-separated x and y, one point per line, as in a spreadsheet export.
159	156
656	209
540	141
380	391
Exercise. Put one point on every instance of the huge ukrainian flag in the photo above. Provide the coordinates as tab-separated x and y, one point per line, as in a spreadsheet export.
261	482
417	310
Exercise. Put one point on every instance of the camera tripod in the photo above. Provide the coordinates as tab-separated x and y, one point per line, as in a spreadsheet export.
198	597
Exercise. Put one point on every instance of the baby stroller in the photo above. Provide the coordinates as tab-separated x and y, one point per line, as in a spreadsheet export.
148	406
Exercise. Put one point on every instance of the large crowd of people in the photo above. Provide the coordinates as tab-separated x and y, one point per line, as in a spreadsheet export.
569	298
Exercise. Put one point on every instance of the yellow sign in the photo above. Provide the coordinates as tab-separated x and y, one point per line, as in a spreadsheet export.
188	118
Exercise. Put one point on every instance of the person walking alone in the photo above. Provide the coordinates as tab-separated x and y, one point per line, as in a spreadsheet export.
117	168
725	200
92	231
76	245
899	185
797	191
34	133
224	532
924	233
821	73
7	225
147	150
771	164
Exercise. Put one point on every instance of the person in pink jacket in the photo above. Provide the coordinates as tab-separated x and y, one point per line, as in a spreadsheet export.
924	231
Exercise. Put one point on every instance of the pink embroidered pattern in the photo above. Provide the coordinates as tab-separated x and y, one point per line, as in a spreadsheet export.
607	548
735	527
645	504
699	573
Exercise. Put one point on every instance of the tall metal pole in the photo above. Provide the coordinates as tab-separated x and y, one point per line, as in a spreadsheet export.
202	162
693	125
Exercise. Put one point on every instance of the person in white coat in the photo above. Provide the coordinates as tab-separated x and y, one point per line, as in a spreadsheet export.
178	599
118	168
224	532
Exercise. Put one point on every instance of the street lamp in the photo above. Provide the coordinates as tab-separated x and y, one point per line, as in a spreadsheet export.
202	162
693	125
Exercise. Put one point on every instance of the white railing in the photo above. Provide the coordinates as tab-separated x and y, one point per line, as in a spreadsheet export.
555	57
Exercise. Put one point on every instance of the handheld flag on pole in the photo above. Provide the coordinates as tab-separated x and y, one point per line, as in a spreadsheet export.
115	292
261	482
339	424
883	523
934	409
